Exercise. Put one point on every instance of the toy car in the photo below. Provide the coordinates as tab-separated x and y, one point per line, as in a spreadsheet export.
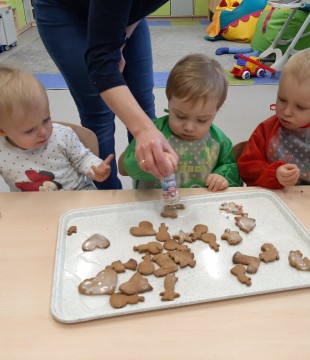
250	66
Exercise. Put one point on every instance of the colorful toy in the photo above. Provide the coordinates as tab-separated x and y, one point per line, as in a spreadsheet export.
250	66
235	20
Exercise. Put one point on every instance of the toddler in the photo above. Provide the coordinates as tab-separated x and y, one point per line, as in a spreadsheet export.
36	154
278	152
196	89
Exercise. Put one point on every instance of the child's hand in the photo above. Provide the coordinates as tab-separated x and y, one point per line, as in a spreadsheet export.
103	171
215	182
287	174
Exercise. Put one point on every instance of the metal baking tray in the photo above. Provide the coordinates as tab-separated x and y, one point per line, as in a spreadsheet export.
209	280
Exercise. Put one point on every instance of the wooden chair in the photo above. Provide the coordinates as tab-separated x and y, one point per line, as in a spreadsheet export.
87	137
121	168
238	148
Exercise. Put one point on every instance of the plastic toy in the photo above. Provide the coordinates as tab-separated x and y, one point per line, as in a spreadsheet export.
235	20
250	66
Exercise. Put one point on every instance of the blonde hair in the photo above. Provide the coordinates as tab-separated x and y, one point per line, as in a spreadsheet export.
196	77
298	66
19	90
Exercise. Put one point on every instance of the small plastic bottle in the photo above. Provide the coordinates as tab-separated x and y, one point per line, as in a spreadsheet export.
171	194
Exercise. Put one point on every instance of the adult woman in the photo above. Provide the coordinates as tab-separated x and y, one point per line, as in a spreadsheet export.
102	48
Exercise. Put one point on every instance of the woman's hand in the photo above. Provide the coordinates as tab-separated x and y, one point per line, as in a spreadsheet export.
154	154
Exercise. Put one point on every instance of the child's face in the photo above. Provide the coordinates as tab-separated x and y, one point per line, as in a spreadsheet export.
31	130
191	121
293	102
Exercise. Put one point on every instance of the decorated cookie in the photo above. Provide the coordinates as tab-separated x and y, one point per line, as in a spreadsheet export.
152	247
135	285
103	283
95	241
120	300
251	262
183	236
239	271
232	237
72	230
297	261
245	223
145	228
269	253
169	284
231	207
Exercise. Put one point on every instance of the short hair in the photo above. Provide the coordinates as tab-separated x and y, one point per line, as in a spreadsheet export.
196	77
298	65
18	90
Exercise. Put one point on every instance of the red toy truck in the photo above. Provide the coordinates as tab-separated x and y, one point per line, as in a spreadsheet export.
250	66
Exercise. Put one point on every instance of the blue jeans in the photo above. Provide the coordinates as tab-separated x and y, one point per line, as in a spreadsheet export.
64	35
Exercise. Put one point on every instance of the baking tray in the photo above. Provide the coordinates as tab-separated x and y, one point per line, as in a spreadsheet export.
209	280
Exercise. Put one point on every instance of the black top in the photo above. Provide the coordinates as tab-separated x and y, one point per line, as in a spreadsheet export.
107	22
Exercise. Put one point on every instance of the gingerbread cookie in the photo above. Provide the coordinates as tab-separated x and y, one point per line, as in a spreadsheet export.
162	234
146	267
231	207
245	223
210	239
183	236
165	263
172	244
145	228
169	284
152	247
251	262
269	253
103	283
170	211
183	258
239	271
232	237
120	300
95	241
199	229
72	230
120	267
135	285
297	261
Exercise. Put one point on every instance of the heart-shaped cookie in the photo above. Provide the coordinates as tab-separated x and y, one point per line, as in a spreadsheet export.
145	228
95	241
